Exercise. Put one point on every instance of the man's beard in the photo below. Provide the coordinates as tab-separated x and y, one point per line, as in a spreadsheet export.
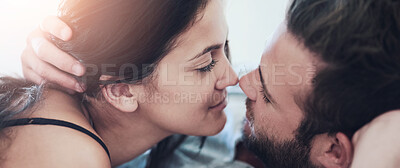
275	154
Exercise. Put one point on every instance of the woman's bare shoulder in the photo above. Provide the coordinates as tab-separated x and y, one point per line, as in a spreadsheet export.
52	145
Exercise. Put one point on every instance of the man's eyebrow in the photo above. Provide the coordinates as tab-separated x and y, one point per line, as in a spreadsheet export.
208	49
265	90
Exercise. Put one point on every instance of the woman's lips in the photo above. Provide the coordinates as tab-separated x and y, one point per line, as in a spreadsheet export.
220	106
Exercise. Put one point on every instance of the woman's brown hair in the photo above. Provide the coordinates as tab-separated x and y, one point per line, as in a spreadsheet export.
121	38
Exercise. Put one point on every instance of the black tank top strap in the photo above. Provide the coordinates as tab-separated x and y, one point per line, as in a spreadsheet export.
44	121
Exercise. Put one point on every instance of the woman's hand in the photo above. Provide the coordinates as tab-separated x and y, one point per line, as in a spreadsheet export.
43	61
377	144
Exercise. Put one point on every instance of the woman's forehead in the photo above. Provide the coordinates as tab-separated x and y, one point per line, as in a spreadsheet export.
210	29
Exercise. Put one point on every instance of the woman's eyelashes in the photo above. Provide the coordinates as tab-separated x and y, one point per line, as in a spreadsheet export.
227	49
209	67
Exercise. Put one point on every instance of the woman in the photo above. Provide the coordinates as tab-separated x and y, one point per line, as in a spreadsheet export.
148	63
365	156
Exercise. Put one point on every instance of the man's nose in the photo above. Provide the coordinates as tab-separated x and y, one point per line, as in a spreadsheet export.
247	84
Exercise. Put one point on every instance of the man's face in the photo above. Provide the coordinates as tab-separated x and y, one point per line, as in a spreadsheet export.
275	90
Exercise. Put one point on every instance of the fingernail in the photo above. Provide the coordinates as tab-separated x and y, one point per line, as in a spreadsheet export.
36	43
65	34
79	88
77	69
83	86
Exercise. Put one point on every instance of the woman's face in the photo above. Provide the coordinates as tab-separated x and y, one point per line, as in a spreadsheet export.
188	93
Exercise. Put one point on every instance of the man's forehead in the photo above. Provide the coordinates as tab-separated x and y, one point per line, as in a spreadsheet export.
288	67
287	55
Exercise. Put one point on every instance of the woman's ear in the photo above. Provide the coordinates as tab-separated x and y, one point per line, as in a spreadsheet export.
120	95
338	152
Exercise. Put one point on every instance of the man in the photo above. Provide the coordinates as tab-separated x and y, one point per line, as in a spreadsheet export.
333	67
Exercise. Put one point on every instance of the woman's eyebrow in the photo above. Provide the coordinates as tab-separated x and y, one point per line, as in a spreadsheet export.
265	90
207	49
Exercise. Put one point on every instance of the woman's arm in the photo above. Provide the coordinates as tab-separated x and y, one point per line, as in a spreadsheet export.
43	61
378	143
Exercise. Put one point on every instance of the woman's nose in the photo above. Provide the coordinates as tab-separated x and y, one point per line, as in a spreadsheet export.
229	78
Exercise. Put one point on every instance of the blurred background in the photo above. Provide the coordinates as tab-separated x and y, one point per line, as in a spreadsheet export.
251	22
17	19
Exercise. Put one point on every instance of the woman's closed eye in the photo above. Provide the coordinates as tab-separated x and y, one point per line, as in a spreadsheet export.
209	67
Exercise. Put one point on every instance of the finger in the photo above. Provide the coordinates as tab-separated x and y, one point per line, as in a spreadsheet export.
48	52
32	76
51	74
35	78
52	54
56	27
26	67
58	87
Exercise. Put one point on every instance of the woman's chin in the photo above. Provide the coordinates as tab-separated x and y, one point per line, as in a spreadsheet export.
212	128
